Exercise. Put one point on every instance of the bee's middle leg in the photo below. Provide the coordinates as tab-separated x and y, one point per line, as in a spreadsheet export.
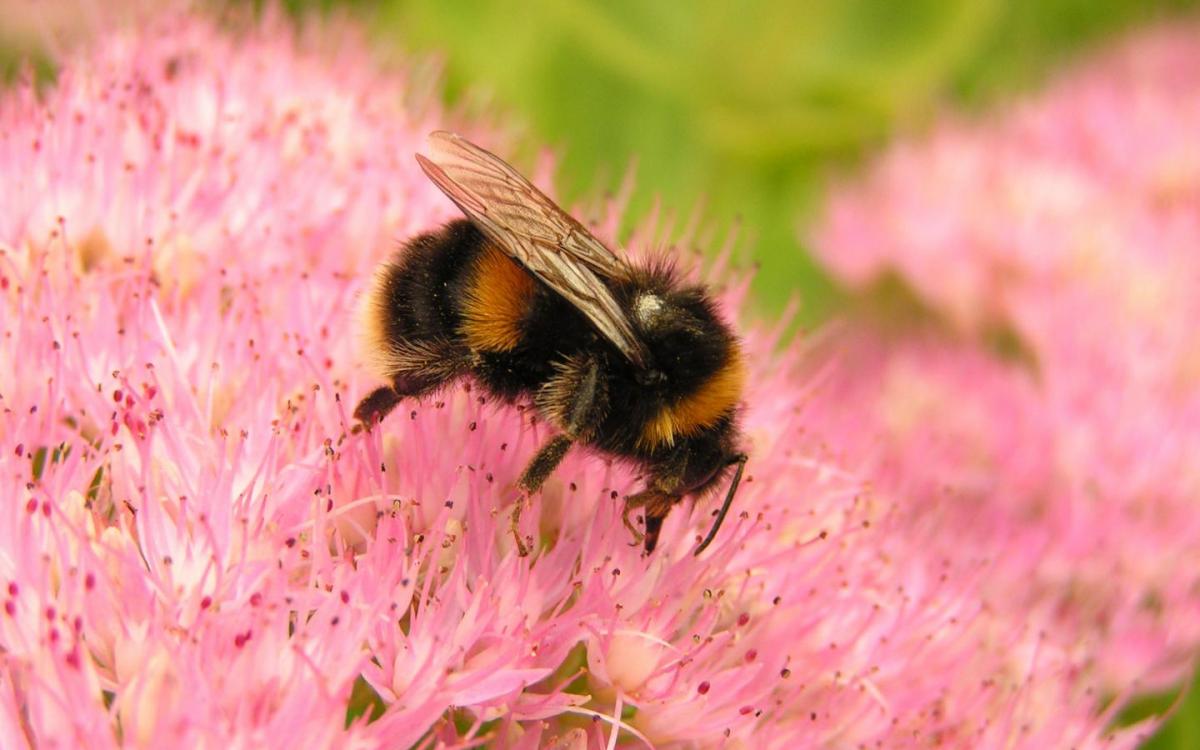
572	400
540	467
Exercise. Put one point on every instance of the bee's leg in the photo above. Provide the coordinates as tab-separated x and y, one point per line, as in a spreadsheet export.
632	502
543	464
643	499
514	526
375	406
657	504
660	495
417	368
572	400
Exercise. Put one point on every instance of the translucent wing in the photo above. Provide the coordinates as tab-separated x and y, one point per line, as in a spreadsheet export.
538	234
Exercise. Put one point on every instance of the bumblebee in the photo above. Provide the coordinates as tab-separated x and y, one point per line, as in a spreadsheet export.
621	357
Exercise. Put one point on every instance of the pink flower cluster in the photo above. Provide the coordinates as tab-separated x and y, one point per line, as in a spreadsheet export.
1070	227
195	551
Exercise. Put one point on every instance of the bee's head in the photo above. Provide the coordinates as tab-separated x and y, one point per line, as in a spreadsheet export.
673	334
693	353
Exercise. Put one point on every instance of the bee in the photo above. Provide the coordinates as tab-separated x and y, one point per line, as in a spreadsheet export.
624	358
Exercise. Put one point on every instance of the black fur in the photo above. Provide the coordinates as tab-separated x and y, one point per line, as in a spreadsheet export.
424	291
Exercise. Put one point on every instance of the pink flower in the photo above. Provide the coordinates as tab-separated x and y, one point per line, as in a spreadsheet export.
1075	211
1070	225
197	552
48	26
986	465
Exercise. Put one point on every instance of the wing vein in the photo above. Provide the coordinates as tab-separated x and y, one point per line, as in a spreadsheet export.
536	233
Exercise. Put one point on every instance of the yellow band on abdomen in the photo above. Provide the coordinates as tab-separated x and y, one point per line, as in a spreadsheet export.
498	296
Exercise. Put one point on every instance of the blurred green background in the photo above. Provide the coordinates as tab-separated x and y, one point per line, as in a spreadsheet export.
750	107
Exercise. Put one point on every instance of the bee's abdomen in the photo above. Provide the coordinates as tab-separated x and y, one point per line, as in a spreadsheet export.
454	295
515	328
415	297
496	303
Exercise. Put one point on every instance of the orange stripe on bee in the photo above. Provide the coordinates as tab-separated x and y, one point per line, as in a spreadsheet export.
700	408
497	299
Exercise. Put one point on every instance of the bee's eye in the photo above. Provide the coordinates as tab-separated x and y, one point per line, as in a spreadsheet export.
651	377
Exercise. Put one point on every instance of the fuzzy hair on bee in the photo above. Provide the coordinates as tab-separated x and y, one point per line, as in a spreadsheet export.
624	358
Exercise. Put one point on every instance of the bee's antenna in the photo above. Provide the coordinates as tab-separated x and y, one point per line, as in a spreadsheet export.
740	460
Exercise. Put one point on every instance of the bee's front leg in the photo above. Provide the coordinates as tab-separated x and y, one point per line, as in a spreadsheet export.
657	504
631	503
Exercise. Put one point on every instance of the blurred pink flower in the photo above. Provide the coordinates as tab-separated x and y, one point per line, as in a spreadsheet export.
48	26
1072	219
196	553
982	460
1071	222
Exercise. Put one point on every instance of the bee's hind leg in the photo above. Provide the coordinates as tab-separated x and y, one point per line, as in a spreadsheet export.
375	406
416	367
380	402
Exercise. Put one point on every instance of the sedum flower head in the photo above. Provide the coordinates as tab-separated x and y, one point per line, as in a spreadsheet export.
195	550
1075	208
1069	225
